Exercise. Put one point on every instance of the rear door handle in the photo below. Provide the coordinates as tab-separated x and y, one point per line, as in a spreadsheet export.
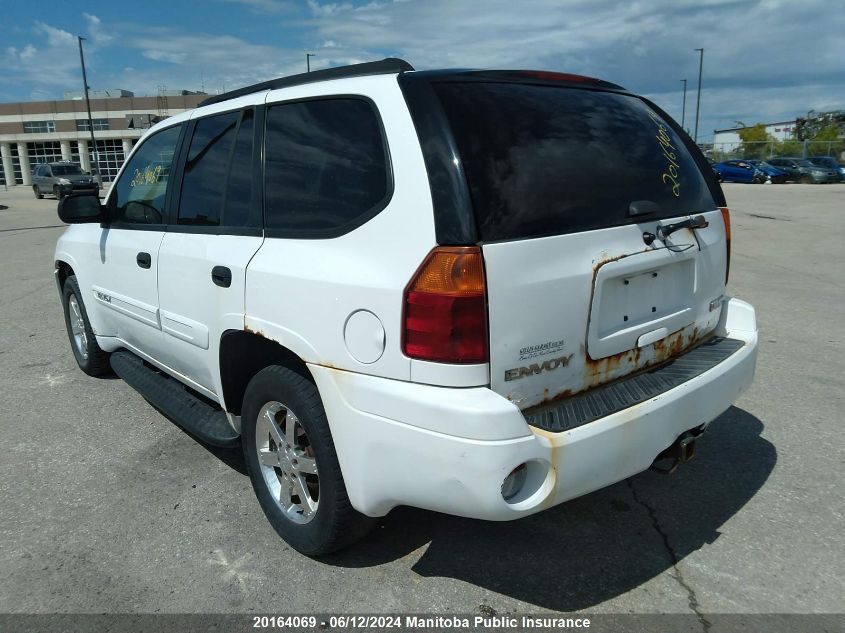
144	260
221	276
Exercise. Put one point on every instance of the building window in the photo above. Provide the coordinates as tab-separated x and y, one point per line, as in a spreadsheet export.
99	124
48	152
16	165
39	127
109	156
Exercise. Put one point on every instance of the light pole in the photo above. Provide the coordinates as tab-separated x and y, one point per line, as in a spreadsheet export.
698	98
308	57
684	108
90	121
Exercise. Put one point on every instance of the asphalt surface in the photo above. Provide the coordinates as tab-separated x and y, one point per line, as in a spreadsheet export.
108	507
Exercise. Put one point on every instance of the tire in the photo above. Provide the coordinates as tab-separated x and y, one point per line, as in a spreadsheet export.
315	526
37	192
807	179
90	358
57	192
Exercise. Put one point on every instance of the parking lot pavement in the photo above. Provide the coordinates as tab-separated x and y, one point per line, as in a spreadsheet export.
109	507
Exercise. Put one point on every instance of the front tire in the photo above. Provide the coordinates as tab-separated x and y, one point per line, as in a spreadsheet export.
293	465
37	192
90	358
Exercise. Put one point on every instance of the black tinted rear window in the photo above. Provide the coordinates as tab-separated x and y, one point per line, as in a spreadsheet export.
545	160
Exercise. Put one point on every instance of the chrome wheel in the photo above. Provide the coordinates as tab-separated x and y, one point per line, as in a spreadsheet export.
287	462
77	327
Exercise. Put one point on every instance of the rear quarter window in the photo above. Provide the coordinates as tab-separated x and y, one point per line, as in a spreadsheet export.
545	160
326	168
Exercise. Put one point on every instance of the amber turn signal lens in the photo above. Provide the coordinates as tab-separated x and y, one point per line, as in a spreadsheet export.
451	271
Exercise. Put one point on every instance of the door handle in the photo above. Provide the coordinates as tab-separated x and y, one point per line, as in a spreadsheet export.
221	276
144	260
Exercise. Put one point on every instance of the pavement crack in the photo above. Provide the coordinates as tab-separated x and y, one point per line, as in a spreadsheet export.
692	599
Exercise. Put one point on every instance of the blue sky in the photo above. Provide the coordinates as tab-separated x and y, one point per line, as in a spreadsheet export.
765	60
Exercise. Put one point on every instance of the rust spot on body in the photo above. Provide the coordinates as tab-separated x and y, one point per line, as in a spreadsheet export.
249	330
598	372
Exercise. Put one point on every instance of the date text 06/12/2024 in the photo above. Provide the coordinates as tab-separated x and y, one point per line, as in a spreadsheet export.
419	622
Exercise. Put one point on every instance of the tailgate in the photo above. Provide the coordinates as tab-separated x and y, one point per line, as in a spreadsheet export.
575	311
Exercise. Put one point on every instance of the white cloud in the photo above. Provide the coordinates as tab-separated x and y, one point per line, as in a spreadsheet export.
763	59
95	31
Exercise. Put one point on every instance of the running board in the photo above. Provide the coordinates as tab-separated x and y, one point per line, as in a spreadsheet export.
172	398
589	406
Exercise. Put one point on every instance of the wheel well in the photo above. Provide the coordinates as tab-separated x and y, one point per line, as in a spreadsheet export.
65	271
244	354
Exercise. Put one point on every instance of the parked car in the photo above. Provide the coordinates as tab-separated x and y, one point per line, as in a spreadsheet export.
773	174
739	171
804	171
830	163
415	288
712	164
61	179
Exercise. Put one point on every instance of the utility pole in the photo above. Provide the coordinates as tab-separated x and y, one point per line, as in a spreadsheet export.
90	121
684	108
698	99
308	57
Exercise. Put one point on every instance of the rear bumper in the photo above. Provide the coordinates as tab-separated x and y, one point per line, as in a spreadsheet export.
449	450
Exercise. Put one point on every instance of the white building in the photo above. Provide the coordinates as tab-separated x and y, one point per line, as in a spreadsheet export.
728	140
43	131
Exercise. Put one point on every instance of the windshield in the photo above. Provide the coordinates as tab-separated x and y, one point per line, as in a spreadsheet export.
546	160
66	170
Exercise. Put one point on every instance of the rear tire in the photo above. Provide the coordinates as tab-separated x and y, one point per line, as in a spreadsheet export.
284	424
90	358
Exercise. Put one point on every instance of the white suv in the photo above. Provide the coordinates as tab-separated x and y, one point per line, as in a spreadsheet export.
477	292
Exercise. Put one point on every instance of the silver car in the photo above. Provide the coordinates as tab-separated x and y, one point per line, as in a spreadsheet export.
61	179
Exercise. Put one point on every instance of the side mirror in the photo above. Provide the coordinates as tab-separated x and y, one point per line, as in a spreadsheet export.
81	209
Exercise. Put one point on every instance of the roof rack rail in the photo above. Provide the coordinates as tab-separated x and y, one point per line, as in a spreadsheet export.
384	67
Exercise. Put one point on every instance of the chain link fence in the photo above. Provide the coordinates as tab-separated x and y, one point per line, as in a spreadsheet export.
768	149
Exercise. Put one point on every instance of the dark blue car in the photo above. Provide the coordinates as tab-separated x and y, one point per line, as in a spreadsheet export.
739	171
773	174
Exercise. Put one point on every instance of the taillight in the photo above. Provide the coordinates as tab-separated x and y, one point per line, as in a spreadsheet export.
726	218
445	312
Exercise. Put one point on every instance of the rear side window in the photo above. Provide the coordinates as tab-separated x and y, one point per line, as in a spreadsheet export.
217	181
546	160
326	167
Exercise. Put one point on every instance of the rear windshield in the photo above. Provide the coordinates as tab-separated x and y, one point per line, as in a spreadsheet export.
545	160
66	170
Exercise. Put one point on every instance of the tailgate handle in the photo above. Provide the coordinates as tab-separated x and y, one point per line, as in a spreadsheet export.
652	337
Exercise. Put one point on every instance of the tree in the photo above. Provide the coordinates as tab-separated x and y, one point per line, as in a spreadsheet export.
827	141
755	141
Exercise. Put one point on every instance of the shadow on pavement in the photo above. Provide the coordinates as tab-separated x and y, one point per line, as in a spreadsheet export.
594	548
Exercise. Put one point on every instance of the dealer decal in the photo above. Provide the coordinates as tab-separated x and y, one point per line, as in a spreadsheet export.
670	175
